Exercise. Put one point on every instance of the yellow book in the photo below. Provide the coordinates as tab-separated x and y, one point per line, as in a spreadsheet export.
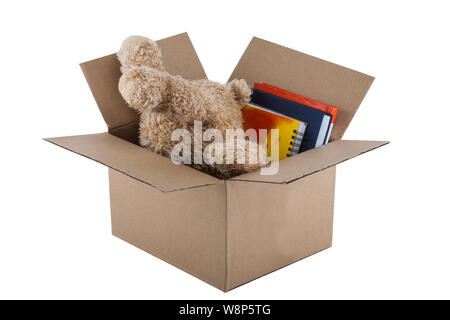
291	131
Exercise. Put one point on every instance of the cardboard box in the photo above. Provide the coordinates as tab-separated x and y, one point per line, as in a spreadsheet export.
224	232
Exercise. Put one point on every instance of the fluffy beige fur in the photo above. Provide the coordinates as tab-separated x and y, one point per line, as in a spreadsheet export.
167	102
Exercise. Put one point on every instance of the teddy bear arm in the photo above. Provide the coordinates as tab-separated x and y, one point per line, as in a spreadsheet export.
240	90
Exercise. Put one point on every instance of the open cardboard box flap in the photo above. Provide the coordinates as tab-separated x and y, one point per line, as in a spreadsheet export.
262	61
313	160
160	173
135	161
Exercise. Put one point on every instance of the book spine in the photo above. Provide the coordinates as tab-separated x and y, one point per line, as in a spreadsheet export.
296	139
298	99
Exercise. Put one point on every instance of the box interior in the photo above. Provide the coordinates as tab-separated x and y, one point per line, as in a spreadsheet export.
262	61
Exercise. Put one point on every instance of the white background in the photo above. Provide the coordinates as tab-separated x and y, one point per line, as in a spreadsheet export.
391	232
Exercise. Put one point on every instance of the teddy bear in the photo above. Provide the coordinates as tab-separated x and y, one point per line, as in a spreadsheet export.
168	102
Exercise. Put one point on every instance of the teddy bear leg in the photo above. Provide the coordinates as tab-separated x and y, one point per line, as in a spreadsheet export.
246	156
255	155
139	51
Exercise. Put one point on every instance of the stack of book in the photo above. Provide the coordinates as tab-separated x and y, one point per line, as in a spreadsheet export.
303	123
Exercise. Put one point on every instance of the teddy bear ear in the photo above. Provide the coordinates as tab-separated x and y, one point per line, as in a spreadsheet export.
138	51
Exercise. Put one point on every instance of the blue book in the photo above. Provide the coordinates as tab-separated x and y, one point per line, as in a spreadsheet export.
318	122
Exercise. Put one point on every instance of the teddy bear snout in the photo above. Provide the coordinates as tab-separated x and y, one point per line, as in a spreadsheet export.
142	88
129	86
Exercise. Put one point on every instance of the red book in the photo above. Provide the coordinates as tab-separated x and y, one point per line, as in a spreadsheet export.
298	99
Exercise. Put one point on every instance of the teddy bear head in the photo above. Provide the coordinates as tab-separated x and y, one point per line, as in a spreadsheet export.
138	51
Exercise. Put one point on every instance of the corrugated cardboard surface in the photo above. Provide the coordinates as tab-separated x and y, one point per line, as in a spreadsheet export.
314	160
103	76
184	228
139	163
226	236
272	225
264	61
128	132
